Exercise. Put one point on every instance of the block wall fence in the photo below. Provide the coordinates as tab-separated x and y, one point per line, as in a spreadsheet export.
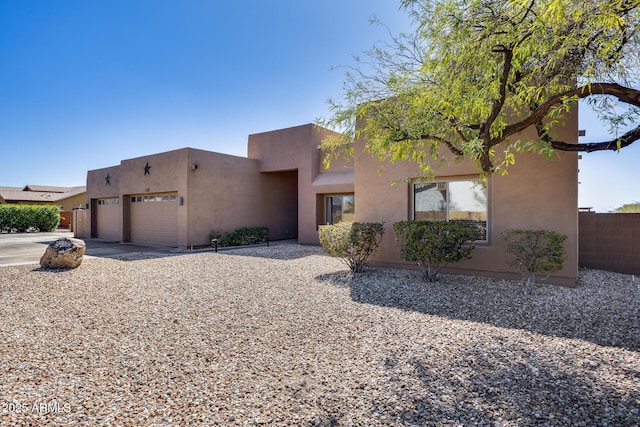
609	241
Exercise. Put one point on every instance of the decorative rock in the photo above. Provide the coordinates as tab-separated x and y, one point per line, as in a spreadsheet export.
63	253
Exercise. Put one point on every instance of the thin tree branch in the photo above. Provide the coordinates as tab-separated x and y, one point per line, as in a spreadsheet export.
624	94
458	131
498	103
613	145
526	13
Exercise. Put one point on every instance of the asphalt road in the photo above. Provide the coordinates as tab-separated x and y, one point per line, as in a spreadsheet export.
27	248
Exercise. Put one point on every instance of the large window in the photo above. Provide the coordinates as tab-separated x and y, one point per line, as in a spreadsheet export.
459	201
339	208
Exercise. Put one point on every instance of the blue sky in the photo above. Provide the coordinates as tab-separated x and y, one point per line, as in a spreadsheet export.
85	84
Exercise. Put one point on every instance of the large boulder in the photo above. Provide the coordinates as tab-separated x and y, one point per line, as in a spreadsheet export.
63	253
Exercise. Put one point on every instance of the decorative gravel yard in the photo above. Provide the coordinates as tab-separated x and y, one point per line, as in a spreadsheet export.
284	336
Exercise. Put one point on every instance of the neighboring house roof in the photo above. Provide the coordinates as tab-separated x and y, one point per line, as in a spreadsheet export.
39	193
46	188
73	191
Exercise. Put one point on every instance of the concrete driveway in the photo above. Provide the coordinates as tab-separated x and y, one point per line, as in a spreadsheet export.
27	248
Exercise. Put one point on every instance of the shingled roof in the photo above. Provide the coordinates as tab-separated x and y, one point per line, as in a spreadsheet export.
38	193
46	188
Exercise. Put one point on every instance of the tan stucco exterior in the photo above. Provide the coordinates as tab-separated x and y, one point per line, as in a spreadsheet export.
72	202
537	193
274	187
296	148
283	184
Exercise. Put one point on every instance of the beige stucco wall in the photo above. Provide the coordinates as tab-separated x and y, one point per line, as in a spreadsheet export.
227	192
282	185
219	192
81	221
167	173
98	188
72	202
537	193
296	148
279	205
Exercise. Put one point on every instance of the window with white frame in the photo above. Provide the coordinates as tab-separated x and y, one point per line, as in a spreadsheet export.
463	201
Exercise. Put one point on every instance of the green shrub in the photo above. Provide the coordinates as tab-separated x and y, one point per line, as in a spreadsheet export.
46	218
352	242
221	236
21	218
241	236
434	244
25	218
534	252
7	218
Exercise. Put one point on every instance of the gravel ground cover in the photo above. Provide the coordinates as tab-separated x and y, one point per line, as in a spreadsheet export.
285	336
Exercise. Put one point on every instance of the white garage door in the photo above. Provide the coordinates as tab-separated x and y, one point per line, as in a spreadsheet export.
108	218
154	219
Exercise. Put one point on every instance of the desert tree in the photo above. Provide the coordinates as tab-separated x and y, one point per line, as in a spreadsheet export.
629	208
472	75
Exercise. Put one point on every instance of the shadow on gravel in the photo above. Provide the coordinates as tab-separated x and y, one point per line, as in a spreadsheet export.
52	270
512	387
126	251
603	310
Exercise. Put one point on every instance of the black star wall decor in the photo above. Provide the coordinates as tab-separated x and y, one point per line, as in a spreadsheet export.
146	169
107	179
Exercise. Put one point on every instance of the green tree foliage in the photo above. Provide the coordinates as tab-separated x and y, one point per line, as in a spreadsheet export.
434	244
534	252
475	73
352	242
21	218
629	208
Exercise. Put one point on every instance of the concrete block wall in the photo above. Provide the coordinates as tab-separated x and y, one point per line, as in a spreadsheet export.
609	241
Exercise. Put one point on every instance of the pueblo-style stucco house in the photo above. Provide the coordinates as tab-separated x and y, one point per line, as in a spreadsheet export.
178	197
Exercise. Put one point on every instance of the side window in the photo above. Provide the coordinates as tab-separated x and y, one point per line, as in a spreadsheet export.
339	208
463	201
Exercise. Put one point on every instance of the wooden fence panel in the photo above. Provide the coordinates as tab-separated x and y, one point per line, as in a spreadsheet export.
65	219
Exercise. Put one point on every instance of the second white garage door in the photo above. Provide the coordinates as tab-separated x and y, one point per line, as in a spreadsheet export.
154	219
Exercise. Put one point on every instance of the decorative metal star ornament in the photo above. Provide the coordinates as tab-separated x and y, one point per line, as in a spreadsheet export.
146	169
107	179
